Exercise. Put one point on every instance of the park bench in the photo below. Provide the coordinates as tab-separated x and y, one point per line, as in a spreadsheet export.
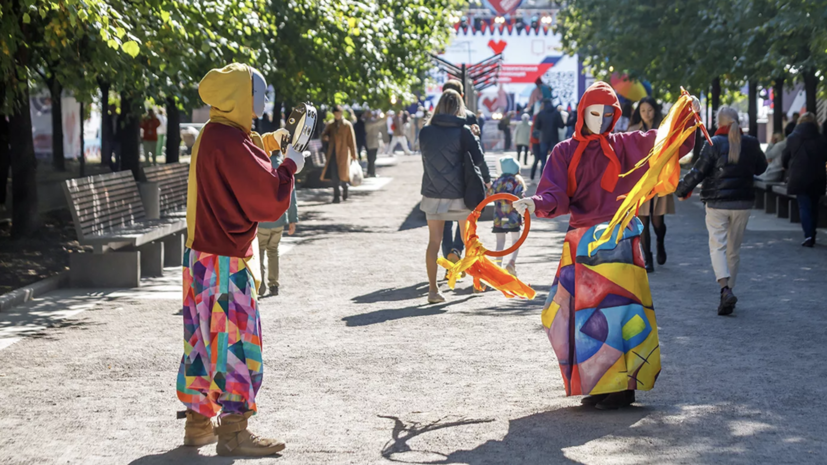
786	205
172	184
109	215
765	199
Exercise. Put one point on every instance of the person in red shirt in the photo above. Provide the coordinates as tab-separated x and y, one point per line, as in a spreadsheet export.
150	136
232	187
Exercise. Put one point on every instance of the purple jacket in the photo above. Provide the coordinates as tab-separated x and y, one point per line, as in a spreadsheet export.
590	204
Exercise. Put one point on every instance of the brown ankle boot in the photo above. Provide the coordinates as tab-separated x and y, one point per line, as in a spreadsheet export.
235	440
198	431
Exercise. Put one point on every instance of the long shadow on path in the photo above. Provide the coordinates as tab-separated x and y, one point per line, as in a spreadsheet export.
393	294
537	438
381	316
184	454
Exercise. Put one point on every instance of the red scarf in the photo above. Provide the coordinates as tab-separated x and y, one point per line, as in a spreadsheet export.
610	176
724	130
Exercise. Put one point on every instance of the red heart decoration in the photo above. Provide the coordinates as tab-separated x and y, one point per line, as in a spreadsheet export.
498	46
490	103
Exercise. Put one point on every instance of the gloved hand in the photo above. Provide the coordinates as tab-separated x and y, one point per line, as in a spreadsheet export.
280	134
271	141
524	204
696	104
297	158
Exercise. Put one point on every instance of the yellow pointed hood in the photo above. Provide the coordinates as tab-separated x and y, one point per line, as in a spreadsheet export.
229	93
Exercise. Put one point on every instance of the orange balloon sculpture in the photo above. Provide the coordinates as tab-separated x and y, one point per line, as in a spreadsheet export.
477	264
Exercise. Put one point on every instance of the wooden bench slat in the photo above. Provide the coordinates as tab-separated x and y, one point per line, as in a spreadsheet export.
112	206
108	197
109	177
127	211
105	182
173	184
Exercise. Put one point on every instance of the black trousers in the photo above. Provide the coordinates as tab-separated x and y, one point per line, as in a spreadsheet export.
372	162
507	133
359	146
333	175
540	157
522	148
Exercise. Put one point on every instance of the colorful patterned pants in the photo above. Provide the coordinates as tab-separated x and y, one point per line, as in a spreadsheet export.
599	315
221	370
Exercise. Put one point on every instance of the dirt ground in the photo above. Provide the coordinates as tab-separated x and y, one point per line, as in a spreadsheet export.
45	254
360	370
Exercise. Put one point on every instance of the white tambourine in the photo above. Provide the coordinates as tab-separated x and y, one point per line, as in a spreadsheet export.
300	124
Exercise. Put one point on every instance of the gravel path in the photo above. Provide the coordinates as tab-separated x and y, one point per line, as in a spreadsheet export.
359	370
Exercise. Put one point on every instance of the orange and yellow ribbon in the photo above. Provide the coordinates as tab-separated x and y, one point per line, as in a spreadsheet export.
477	264
662	177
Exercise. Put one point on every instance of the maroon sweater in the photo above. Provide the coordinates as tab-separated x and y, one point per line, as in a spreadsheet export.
237	188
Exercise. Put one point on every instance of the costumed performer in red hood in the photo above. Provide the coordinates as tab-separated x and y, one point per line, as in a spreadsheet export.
599	315
232	187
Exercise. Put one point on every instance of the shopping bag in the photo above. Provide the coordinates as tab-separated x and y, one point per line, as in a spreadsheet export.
356	173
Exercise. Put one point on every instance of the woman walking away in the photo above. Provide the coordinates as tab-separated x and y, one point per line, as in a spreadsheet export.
522	136
506	219
805	156
727	169
648	116
444	142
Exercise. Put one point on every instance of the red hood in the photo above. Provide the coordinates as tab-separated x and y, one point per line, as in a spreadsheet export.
599	93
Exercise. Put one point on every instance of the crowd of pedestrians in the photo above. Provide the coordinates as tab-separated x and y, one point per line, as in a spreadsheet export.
450	141
725	171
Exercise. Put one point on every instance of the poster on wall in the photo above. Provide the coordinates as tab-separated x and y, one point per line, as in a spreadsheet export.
527	56
41	113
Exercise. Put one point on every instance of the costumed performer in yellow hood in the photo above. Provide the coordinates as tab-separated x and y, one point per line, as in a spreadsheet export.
232	187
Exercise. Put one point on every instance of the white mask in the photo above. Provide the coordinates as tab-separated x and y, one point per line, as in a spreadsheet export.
599	118
259	92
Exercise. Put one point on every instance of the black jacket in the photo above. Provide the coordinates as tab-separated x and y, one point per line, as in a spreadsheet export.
361	133
723	182
470	118
444	142
804	159
548	122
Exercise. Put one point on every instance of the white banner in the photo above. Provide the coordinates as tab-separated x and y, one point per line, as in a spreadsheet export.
526	56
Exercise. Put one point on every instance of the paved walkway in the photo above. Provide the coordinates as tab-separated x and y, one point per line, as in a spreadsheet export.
359	370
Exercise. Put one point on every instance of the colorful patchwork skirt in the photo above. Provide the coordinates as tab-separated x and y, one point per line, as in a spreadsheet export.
221	370
599	315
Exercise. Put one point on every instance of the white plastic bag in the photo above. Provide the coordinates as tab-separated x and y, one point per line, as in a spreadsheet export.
356	174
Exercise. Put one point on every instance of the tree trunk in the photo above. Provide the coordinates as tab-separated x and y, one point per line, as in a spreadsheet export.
753	108
24	215
56	92
5	155
778	105
277	114
130	137
811	89
173	131
107	142
82	158
716	102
